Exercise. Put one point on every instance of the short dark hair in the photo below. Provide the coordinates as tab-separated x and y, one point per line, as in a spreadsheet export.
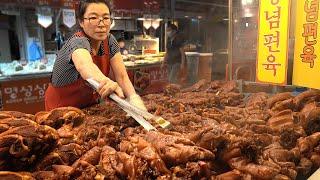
120	40
173	27
83	5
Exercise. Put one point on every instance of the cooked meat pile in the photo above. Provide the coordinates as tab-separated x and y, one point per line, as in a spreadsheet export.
216	133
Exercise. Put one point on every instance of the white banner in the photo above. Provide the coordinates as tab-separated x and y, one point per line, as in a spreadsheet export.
44	21
69	17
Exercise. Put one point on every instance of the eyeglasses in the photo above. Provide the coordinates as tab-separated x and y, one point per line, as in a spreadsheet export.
95	21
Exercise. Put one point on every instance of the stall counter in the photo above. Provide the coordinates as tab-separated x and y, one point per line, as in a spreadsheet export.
148	78
24	93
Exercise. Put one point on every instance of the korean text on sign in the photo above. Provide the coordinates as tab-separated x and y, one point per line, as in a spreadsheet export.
273	41
310	32
307	48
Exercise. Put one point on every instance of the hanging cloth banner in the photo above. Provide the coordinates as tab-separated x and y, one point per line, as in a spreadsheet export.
69	17
306	67
44	21
272	58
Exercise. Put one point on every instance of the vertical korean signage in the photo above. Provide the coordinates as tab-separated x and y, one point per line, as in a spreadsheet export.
273	41
306	69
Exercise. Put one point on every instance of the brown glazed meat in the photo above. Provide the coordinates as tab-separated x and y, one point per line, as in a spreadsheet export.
217	133
22	146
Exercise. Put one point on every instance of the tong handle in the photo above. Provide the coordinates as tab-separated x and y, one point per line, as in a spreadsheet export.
120	101
95	84
124	105
113	96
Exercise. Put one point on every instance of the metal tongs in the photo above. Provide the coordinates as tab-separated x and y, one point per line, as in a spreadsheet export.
139	115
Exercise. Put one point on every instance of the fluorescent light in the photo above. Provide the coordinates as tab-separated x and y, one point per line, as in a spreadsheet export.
147	24
246	2
155	24
44	21
247	12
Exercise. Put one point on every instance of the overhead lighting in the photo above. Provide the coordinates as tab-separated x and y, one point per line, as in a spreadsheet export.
246	2
147	24
247	12
44	21
155	24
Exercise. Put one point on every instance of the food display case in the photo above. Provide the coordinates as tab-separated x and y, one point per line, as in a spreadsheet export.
146	72
23	84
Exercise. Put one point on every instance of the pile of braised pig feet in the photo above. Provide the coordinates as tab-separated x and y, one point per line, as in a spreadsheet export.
216	133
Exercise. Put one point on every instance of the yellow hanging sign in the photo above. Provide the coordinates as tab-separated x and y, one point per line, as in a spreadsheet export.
306	69
273	41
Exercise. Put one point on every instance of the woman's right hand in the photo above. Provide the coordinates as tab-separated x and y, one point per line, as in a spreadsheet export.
107	87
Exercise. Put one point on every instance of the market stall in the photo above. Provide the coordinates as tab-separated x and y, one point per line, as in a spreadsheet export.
28	50
23	86
33	32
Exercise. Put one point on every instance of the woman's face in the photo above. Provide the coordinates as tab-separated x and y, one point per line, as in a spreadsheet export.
96	21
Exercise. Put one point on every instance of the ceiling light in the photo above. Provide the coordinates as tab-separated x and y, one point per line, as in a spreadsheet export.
147	24
155	24
246	2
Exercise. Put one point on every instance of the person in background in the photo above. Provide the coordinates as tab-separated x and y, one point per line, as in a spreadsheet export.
34	50
175	56
90	53
60	36
122	44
